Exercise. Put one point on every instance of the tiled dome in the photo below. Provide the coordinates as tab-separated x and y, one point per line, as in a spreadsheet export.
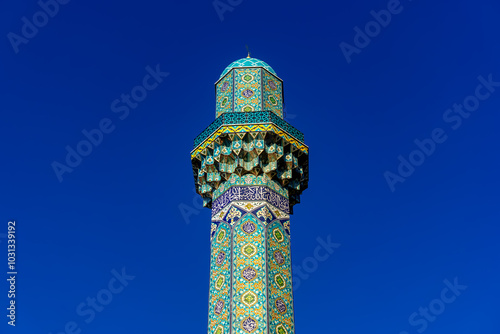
248	62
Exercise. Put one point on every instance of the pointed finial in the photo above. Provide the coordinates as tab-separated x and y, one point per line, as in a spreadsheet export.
248	51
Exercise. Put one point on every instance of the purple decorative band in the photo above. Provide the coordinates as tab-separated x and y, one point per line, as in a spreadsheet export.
250	193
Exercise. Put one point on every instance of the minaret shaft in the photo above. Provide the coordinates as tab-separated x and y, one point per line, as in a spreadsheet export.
250	167
251	279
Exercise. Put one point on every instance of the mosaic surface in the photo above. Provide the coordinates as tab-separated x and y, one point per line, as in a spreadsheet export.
249	150
249	313
250	167
249	85
244	129
228	214
225	95
277	160
250	180
250	193
220	273
279	268
273	94
247	90
260	297
238	118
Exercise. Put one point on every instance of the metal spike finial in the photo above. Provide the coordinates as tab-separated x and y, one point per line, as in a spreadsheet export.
248	50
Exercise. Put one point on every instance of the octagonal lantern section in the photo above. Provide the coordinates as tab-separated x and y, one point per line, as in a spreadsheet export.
247	89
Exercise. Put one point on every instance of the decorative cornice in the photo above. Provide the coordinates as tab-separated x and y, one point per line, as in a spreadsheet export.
246	118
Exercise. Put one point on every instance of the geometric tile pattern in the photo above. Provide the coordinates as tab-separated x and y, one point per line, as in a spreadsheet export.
249	297
281	297
220	273
249	206
248	128
251	152
225	94
273	94
245	118
247	90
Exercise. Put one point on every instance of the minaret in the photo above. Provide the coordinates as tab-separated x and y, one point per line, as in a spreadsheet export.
250	166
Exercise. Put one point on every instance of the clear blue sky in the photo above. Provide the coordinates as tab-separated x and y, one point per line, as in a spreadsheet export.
119	207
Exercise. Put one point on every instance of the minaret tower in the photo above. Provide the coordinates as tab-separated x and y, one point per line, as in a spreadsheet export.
250	167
